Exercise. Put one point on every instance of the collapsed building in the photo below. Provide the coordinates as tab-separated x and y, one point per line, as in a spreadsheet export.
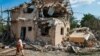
82	37
42	20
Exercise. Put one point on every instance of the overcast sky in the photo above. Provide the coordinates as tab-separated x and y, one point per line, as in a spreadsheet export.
79	7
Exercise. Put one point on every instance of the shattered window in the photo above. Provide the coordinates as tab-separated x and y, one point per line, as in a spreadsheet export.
29	9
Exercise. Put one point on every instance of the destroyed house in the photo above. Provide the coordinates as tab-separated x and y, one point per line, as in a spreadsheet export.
42	21
82	37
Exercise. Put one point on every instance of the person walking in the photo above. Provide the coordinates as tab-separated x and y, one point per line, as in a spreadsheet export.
19	47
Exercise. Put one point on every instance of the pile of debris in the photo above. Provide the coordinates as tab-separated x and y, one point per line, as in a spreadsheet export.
83	39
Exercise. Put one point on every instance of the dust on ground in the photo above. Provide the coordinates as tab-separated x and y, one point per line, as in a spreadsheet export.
30	52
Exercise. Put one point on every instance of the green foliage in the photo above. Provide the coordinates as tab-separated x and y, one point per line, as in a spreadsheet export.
2	27
90	21
74	22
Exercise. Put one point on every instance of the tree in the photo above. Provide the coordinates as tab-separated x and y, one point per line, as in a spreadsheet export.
2	26
90	21
74	22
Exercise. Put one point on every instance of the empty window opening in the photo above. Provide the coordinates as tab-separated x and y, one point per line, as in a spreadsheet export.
54	12
45	29
29	9
29	28
62	31
45	12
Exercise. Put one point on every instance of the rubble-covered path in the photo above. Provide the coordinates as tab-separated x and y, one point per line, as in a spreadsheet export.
37	53
30	52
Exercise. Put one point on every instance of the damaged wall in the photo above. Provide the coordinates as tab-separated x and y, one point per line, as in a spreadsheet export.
60	31
21	19
29	29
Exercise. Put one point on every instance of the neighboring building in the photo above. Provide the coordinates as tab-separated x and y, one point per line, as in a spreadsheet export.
45	20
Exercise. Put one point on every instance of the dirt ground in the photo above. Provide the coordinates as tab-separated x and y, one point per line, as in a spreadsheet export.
30	52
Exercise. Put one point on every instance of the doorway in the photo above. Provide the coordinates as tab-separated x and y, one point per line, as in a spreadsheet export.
23	33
